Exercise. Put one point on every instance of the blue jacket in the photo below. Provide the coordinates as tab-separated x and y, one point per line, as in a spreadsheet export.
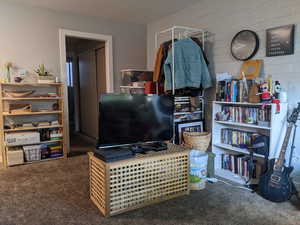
190	67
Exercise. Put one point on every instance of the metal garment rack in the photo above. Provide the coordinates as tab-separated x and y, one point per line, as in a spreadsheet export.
179	32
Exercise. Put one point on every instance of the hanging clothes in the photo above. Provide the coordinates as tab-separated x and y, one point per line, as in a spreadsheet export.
201	46
161	56
190	66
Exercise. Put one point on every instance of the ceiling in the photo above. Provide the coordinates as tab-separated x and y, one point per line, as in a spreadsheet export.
136	11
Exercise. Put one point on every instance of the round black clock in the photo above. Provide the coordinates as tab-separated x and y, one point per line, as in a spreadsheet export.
244	45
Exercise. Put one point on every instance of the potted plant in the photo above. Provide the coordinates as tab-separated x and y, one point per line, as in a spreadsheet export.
8	66
44	76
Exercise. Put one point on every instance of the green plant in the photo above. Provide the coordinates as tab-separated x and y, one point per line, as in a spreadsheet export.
41	71
8	66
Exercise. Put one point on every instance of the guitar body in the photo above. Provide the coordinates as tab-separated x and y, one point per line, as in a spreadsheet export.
276	186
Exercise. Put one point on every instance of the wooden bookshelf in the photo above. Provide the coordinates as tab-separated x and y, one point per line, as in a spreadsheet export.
58	88
275	131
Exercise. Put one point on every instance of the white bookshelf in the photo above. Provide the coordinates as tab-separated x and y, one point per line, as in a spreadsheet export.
275	131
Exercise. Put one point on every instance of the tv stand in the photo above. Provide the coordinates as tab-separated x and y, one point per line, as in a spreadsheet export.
124	185
155	146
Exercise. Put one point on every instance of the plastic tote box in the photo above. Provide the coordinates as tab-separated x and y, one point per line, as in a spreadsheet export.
22	138
15	157
198	169
32	152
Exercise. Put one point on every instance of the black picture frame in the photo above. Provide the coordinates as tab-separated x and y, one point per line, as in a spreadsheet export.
280	41
253	49
180	128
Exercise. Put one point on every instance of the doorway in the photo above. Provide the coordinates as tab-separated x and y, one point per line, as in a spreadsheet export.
87	73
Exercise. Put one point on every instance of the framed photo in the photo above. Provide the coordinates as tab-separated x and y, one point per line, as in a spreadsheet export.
180	127
280	41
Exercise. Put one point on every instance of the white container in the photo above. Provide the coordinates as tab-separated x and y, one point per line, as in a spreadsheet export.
198	169
32	153
283	97
15	157
22	138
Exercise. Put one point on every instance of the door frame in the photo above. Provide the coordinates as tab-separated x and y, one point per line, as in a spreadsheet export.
63	33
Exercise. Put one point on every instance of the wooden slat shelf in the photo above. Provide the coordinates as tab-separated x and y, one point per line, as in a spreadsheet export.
25	116
31	128
31	113
30	84
40	143
31	98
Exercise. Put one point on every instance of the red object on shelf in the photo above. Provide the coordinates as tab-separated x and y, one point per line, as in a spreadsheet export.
277	102
150	87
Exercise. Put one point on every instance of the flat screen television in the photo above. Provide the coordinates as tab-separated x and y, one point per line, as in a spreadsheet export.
135	118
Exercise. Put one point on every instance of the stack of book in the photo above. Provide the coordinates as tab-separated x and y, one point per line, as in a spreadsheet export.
188	108
231	90
55	151
182	104
243	114
239	165
237	138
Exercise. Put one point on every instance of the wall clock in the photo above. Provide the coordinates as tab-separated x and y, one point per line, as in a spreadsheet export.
244	45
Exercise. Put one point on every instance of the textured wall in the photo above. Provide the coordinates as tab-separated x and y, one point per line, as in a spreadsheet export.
29	36
223	19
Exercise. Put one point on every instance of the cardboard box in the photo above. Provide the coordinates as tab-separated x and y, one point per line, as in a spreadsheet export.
15	157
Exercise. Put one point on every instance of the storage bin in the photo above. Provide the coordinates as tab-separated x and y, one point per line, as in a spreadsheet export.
22	138
125	185
198	169
32	153
15	157
197	140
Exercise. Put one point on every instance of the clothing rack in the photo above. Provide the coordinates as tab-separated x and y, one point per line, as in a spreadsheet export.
179	32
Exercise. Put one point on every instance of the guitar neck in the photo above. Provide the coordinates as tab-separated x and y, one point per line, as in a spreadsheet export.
281	158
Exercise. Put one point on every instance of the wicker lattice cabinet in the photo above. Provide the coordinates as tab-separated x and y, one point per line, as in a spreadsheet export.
129	184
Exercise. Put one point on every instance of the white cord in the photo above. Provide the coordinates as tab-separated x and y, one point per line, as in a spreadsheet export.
232	185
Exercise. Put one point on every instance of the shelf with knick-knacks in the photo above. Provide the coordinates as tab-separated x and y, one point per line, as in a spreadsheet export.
31	123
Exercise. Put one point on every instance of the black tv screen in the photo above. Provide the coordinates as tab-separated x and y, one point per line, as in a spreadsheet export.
135	118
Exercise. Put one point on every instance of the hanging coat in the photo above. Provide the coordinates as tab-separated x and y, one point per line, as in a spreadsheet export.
190	66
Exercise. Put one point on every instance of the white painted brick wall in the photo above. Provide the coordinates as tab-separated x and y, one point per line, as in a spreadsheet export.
224	19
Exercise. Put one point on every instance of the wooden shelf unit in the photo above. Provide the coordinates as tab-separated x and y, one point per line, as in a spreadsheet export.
58	88
275	131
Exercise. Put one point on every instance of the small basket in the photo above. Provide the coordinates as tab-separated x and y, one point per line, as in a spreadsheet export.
196	140
32	153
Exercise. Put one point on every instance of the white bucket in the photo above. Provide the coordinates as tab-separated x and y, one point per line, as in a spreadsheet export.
198	169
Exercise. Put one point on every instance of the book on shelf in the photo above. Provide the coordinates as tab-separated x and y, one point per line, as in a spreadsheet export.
238	138
239	165
231	90
188	108
250	115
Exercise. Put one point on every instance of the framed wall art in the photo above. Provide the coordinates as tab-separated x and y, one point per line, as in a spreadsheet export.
180	127
280	41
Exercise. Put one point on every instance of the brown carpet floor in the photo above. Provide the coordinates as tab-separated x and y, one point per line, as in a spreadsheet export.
57	193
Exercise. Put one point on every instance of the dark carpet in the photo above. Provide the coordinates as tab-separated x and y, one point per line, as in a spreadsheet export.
57	193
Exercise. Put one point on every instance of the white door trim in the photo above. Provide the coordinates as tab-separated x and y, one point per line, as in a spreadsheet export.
63	33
